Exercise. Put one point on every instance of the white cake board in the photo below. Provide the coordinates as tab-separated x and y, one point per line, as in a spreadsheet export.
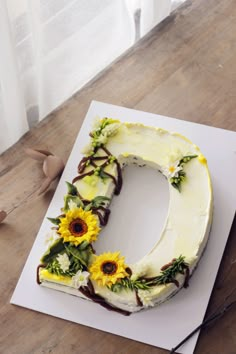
164	326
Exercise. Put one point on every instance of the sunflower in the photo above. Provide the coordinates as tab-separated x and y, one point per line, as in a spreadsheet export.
78	225
108	268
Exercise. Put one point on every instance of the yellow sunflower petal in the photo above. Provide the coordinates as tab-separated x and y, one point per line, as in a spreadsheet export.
108	268
78	225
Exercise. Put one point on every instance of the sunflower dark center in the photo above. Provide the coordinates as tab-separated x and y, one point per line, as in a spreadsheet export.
78	227
109	267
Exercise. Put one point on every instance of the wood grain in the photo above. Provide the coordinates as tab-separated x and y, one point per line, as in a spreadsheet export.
184	68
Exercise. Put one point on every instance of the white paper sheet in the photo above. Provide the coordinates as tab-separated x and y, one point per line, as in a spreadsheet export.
164	326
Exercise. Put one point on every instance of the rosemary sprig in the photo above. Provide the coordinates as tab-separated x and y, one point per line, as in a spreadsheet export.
168	275
129	284
169	272
54	268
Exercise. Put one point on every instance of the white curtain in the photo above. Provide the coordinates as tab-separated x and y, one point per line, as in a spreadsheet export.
51	48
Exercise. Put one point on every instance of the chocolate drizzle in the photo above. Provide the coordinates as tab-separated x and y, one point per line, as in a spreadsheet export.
175	282
89	292
138	300
118	182
90	173
102	212
168	265
37	272
187	276
119	178
91	160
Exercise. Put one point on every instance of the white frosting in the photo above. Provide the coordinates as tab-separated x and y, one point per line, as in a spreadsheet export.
189	217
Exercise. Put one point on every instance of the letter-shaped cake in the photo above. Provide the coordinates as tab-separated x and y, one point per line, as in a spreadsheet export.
70	263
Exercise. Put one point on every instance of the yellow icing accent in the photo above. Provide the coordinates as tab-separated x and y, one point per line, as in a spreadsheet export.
125	154
172	169
90	189
161	131
196	147
46	275
91	180
92	194
110	120
128	125
182	137
202	159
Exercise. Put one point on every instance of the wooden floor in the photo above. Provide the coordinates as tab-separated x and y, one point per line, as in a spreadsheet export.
185	68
